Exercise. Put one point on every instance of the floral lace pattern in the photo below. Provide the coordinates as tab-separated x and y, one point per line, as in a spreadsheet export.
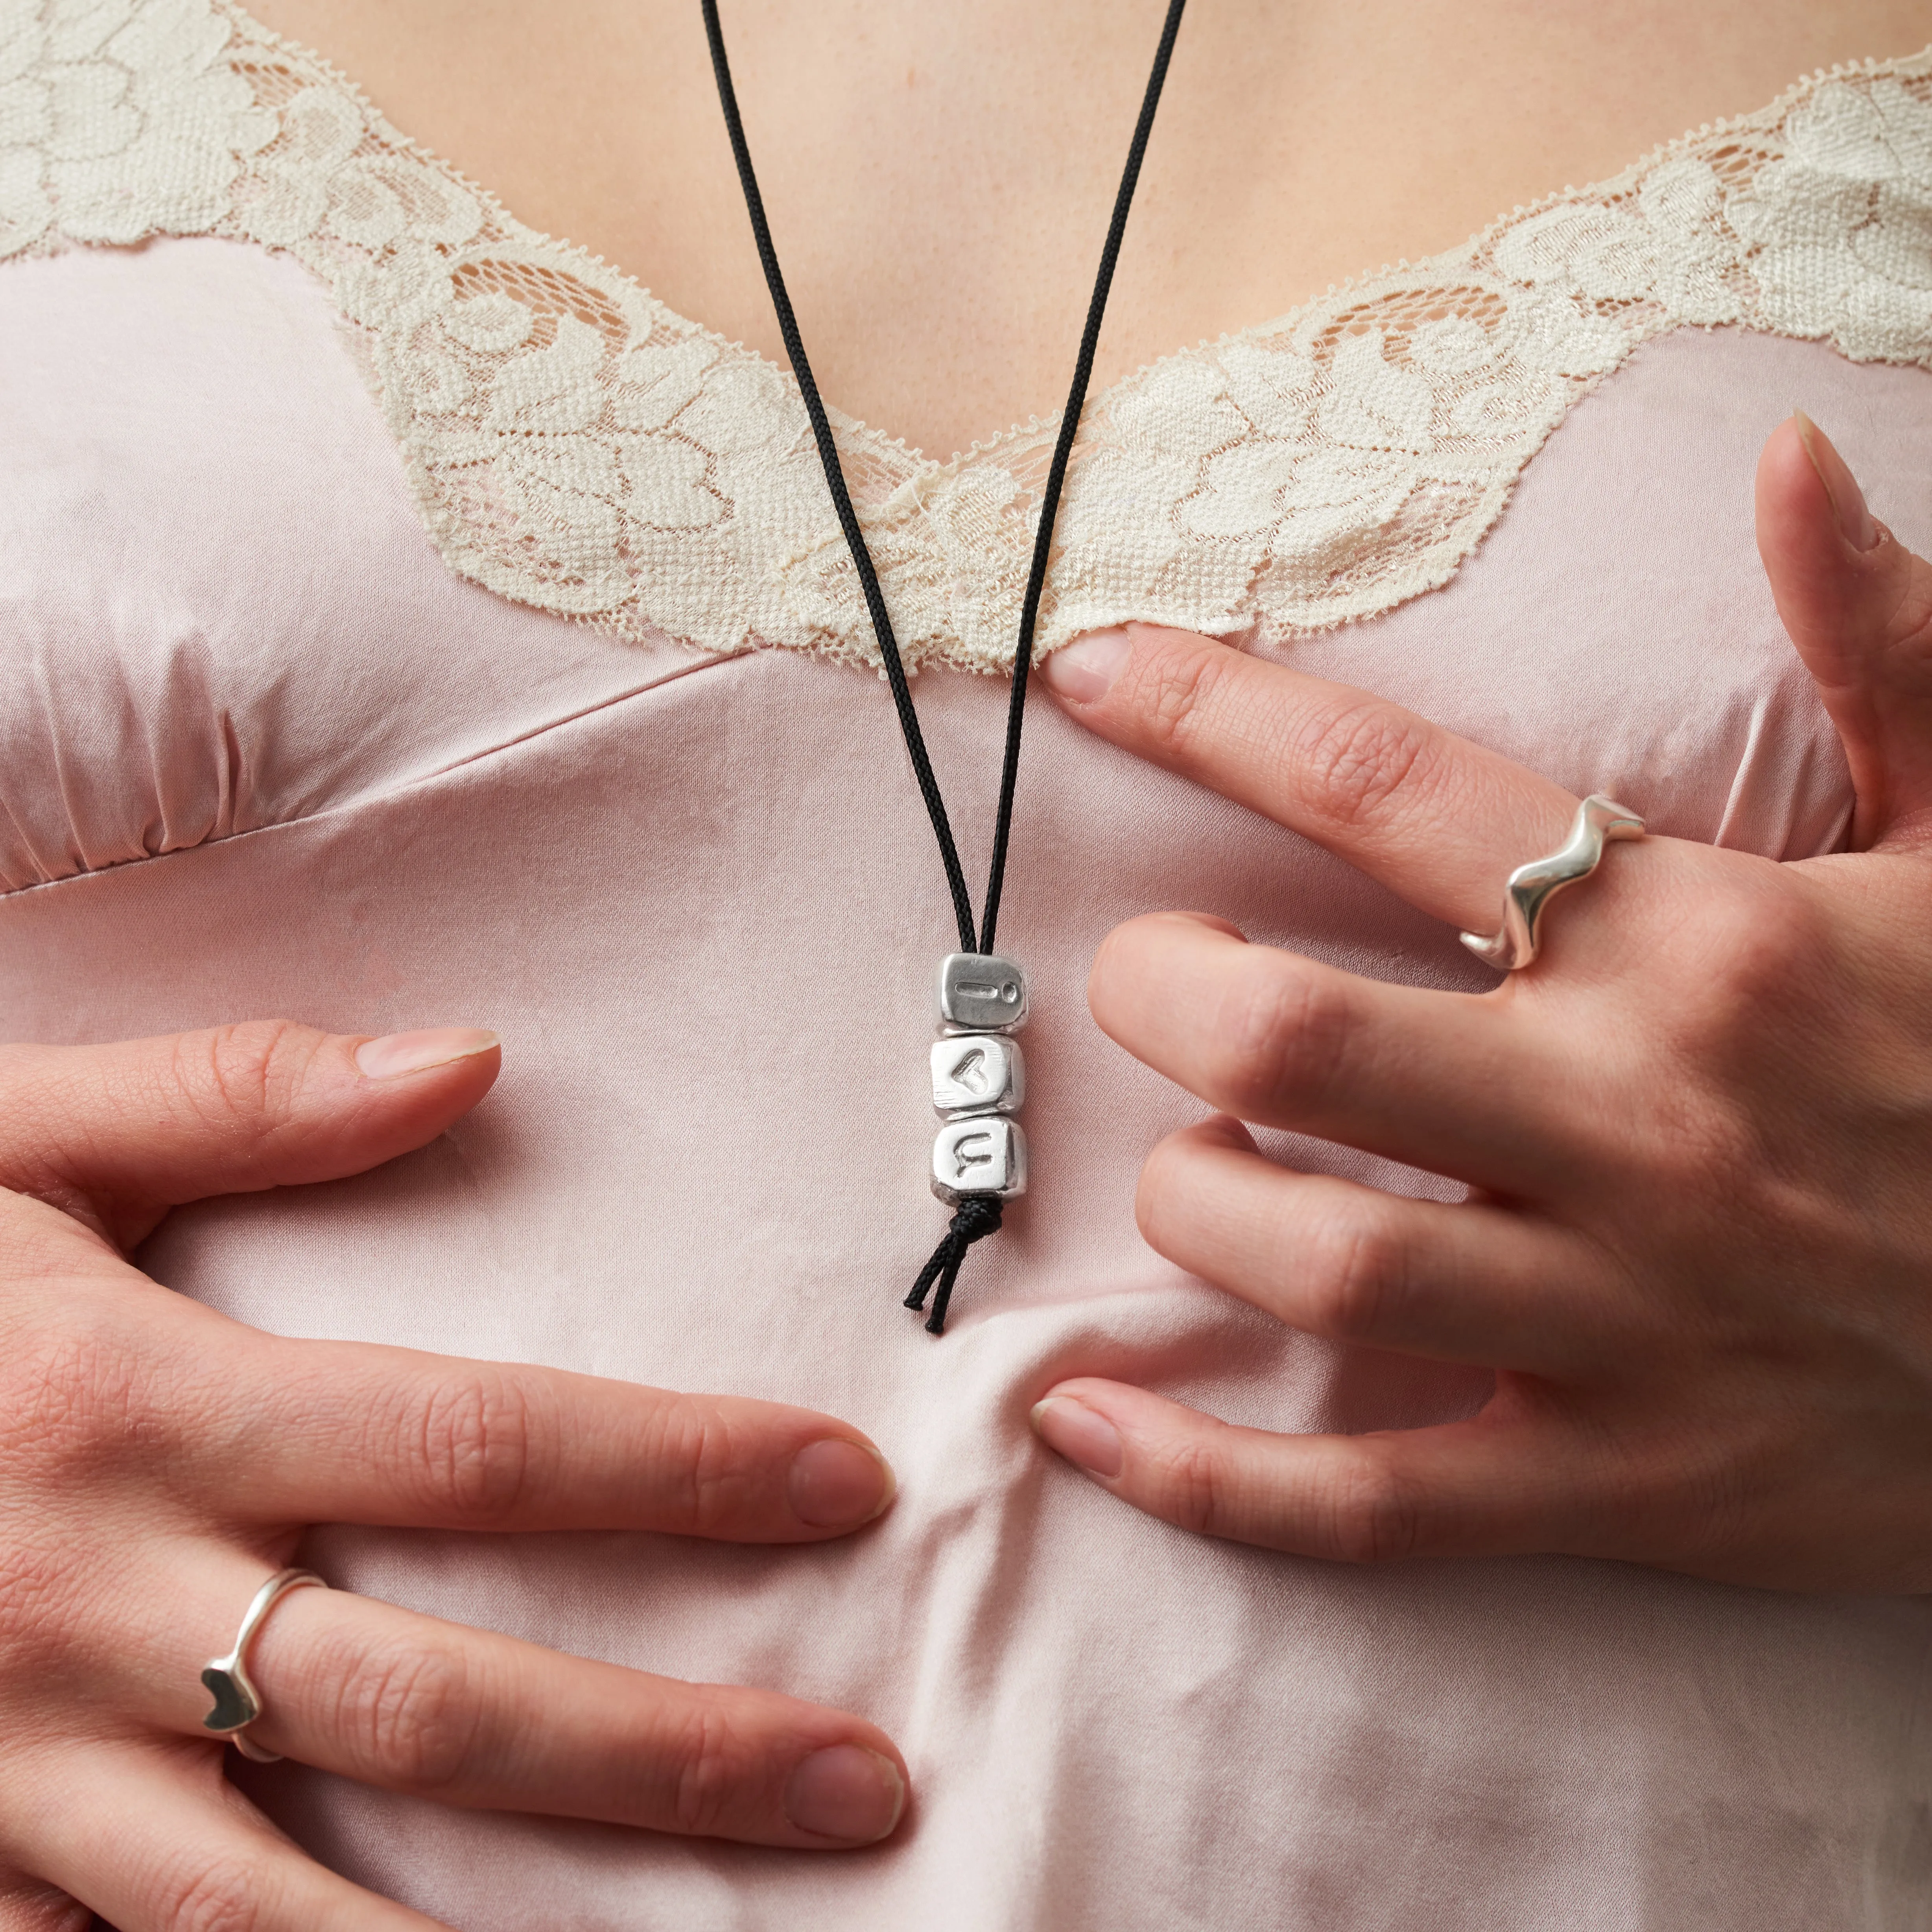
575	445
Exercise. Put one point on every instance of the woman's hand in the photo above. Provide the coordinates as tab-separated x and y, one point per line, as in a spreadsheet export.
157	1462
1698	1130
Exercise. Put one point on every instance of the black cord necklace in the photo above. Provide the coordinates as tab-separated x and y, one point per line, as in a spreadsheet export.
978	1076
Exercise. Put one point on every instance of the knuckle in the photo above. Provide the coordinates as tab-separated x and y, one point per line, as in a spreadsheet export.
1375	1514
221	1895
1175	694
247	1073
1761	952
1759	1006
1189	1485
712	1769
1287	1029
476	1444
1357	761
407	1714
704	1464
1355	1272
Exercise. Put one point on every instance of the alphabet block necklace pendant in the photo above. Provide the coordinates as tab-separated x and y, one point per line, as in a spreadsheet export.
978	1078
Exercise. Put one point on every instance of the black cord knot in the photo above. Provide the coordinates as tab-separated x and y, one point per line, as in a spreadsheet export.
977	1216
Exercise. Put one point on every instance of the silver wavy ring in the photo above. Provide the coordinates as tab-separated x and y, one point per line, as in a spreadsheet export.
1532	886
237	1703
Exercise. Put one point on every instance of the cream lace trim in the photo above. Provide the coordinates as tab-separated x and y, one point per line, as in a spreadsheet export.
576	446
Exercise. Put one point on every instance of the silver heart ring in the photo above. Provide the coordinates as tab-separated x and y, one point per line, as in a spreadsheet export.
1531	887
237	1703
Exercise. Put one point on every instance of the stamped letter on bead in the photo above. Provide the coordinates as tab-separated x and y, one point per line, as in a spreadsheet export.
985	1153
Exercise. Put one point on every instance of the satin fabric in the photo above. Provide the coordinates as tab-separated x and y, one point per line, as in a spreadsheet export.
261	753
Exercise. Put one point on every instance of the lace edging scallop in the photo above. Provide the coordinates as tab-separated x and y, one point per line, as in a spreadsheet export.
575	445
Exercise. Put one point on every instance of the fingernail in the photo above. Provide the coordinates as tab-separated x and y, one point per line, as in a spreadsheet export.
1848	501
836	1485
1084	670
1080	1434
847	1792
399	1053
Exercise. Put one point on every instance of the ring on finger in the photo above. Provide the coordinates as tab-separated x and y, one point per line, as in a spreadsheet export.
238	1704
1531	887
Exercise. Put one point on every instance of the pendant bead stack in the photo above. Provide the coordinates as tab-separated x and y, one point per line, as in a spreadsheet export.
978	1078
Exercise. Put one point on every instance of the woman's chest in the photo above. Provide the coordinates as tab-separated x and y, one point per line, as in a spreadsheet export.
237	559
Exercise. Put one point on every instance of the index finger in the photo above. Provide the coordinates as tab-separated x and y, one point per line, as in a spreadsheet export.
341	1432
1436	818
1484	1486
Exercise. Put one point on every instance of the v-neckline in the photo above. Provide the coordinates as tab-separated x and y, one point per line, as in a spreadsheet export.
856	429
576	446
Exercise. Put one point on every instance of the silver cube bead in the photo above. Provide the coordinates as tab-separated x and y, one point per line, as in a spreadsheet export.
977	1073
980	992
985	1153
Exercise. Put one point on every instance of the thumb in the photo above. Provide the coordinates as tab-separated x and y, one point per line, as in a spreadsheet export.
1859	606
117	1134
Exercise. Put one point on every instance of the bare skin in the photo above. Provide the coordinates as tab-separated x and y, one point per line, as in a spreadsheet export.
938	178
158	1460
1698	1252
